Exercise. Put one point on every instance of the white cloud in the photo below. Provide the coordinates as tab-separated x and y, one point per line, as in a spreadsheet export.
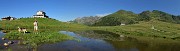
102	15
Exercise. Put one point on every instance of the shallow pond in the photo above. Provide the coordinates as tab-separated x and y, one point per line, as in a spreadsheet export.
97	41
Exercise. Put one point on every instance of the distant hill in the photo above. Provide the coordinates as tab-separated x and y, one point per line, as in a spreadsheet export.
128	17
118	18
158	15
87	20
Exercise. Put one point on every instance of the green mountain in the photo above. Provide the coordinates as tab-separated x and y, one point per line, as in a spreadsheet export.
176	18
157	15
128	17
118	18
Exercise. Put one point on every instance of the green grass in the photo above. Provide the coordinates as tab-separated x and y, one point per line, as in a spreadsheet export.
48	30
43	23
38	38
172	31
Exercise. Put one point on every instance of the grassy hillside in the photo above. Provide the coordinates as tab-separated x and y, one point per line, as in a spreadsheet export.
148	24
43	23
162	29
128	17
158	15
118	18
48	30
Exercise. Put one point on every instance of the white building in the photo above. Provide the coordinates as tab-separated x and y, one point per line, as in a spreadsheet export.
123	24
40	14
8	18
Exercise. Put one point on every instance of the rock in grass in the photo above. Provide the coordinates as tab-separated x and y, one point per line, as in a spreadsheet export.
6	44
10	42
122	36
3	38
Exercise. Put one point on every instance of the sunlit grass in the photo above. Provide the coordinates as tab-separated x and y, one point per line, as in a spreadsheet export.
164	30
43	23
37	38
48	30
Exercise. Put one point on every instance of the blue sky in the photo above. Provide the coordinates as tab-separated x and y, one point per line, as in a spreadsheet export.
65	10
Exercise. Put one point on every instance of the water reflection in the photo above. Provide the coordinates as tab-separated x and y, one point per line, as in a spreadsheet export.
98	41
2	41
83	44
118	43
103	35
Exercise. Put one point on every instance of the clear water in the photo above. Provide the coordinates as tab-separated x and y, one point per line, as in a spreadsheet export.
98	41
105	41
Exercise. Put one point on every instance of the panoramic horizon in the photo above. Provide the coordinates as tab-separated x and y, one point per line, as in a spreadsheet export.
90	25
66	10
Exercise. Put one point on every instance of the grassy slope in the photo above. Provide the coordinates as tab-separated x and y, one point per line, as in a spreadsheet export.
44	23
142	29
48	30
172	31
